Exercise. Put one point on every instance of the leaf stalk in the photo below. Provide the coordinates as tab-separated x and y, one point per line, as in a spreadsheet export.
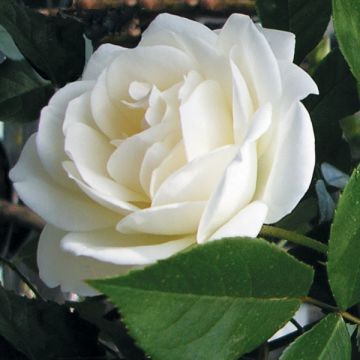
299	239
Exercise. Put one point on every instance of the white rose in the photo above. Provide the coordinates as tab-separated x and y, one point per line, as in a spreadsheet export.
192	136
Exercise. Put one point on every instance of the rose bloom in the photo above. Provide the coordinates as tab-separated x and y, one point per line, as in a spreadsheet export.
192	136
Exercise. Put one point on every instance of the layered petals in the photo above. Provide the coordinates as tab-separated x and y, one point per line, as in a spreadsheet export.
60	267
285	169
59	206
192	136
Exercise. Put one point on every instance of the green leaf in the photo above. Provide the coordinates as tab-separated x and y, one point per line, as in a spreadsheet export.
346	14
307	19
344	246
45	330
7	45
338	98
328	340
217	301
351	128
22	92
54	45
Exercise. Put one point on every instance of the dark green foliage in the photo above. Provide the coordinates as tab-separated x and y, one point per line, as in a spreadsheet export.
328	340
55	46
338	98
307	19
45	330
22	92
344	246
346	15
217	301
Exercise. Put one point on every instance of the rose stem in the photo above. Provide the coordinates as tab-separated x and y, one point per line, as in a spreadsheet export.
323	305
293	237
22	277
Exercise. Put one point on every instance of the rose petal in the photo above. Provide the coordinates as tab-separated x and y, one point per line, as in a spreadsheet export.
154	155
197	179
174	161
90	152
247	222
50	138
113	247
110	202
130	154
168	67
297	82
173	219
60	267
285	169
115	120
282	43
206	120
251	52
66	209
242	105
260	123
162	29
101	59
79	111
234	191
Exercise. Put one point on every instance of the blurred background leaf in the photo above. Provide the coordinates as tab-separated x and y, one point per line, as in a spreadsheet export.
307	19
53	45
22	92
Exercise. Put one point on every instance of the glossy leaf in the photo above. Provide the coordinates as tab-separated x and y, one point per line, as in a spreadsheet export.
328	340
45	330
346	14
22	92
54	45
344	246
217	301
338	98
307	19
7	45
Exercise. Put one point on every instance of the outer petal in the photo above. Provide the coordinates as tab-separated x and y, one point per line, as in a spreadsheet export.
66	209
251	52
247	222
50	138
297	84
124	249
79	111
173	219
162	30
285	169
60	267
101	59
282	43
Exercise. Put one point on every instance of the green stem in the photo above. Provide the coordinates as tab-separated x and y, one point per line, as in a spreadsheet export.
272	231
325	306
22	277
